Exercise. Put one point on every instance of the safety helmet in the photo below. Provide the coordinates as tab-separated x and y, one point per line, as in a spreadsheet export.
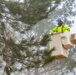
59	19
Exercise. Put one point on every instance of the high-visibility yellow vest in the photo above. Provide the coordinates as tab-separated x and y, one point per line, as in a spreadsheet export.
61	29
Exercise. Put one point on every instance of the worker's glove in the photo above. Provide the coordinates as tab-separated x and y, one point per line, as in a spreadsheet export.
52	33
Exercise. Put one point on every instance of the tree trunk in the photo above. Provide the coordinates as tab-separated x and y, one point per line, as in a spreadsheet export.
28	71
36	71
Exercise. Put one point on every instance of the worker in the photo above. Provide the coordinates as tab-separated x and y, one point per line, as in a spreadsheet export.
61	27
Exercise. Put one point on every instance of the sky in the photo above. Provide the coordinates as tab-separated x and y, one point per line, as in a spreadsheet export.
16	0
73	28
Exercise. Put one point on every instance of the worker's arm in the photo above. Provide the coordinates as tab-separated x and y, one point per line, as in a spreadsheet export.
54	30
67	28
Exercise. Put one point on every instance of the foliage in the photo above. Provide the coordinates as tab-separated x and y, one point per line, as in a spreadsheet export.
32	11
21	53
27	52
21	17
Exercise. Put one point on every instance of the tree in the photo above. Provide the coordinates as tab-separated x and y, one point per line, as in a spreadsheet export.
23	35
32	11
20	17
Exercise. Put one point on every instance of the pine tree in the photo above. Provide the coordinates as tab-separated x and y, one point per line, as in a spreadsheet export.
21	17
